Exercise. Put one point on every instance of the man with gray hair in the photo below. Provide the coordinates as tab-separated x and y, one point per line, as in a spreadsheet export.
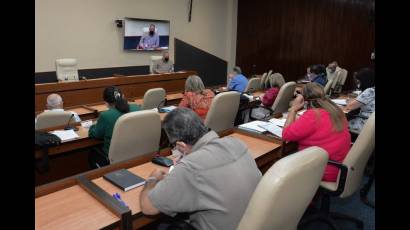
332	70
198	183
163	65
55	103
237	81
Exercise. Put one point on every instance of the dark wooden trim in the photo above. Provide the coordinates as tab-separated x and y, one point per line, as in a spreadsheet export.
124	213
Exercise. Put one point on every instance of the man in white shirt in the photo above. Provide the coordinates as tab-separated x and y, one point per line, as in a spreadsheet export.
332	70
55	103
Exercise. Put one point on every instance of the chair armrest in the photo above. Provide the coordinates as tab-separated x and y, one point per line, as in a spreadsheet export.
342	179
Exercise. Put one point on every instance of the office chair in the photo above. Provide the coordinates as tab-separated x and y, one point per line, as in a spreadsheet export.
328	86
223	110
67	69
48	119
342	76
285	191
284	97
266	85
262	81
349	179
153	61
153	98
253	84
135	134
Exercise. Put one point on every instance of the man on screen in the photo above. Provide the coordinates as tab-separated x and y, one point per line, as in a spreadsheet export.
163	65
150	40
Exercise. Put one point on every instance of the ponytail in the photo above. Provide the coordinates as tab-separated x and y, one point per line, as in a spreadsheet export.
113	95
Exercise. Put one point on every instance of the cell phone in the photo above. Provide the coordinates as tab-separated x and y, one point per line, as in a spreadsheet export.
163	161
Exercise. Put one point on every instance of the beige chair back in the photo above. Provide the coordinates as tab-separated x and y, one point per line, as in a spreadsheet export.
342	77
50	119
253	84
328	86
135	134
358	156
262	81
67	69
153	97
335	81
284	97
223	110
153	61
279	78
285	191
266	83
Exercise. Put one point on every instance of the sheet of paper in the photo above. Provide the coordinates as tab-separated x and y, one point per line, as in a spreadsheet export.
86	124
339	101
169	108
253	126
279	122
272	128
65	135
300	113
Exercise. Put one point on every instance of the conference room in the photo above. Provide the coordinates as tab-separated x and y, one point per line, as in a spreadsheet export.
217	114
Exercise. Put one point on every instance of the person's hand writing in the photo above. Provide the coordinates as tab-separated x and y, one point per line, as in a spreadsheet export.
159	174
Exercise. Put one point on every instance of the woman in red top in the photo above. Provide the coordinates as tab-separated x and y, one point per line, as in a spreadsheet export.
196	97
323	124
276	81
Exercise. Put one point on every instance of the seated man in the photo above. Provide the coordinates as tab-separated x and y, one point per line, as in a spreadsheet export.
55	103
164	65
212	181
317	74
332	70
150	40
237	81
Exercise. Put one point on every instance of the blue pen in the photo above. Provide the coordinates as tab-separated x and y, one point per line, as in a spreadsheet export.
118	198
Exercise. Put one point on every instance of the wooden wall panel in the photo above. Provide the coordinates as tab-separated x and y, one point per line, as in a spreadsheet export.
289	35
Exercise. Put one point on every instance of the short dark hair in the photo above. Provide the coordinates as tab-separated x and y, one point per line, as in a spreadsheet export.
366	78
183	124
318	69
113	95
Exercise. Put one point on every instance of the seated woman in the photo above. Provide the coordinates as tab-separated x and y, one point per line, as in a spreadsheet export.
317	74
323	124
275	81
365	101
196	97
103	129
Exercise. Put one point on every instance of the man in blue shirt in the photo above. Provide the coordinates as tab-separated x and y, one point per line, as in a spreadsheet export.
150	40
238	82
317	74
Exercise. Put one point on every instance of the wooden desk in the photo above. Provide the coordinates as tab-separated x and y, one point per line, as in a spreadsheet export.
90	91
64	198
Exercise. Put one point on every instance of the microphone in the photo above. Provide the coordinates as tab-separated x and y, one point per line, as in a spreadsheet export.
68	126
159	105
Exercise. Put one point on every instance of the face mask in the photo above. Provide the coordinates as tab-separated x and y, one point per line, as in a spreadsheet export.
151	33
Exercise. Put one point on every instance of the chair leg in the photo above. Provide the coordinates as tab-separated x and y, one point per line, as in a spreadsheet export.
358	222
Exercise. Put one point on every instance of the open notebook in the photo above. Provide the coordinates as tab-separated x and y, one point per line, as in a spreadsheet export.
65	135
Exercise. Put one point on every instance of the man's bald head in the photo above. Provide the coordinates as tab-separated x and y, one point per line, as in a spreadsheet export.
54	101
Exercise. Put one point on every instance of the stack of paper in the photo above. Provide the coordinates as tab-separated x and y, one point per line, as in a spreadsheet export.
65	135
339	101
254	126
300	113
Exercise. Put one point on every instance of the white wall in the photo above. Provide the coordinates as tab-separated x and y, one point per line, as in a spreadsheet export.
85	29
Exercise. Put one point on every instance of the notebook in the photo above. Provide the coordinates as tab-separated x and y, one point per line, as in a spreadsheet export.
340	101
272	128
253	126
124	179
65	135
279	122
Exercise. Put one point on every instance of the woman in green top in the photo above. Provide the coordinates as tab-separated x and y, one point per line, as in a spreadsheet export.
103	129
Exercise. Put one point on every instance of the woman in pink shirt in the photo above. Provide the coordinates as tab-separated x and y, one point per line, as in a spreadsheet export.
276	81
323	124
196	97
